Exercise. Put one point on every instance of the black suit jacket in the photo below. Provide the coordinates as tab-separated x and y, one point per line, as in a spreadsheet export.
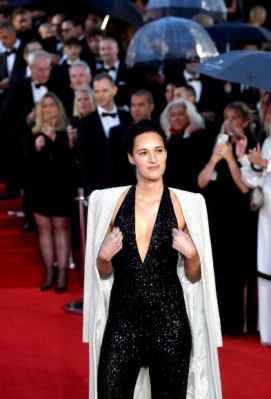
118	170
209	94
92	144
18	66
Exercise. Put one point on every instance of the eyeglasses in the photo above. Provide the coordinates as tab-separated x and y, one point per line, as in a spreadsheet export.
65	30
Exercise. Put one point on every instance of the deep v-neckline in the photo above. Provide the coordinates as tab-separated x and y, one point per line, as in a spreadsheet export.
153	229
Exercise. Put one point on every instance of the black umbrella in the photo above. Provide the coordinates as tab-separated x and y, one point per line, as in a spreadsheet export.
168	40
119	9
251	68
186	9
238	32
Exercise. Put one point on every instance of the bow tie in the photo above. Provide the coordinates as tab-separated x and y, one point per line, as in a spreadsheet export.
108	114
109	69
193	79
8	52
39	85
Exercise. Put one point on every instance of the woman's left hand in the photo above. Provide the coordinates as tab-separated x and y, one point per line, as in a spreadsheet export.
183	243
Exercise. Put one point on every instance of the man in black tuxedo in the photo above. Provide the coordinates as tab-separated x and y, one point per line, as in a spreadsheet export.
118	170
11	60
93	133
108	51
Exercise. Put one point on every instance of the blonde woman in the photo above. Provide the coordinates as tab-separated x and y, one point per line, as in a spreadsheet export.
50	186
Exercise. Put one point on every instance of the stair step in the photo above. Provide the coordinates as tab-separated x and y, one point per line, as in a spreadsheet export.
11	222
20	256
17	239
10	205
33	276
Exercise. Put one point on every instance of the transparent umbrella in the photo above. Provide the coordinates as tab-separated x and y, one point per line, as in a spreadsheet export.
186	8
169	40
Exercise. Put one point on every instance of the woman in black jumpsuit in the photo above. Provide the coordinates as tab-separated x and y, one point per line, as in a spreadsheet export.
147	322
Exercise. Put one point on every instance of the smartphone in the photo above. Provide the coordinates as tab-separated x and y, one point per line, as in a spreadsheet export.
222	138
236	134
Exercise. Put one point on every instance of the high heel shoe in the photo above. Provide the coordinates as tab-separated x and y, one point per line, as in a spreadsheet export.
46	287
59	290
63	288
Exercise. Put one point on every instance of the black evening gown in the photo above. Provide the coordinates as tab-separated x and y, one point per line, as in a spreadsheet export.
147	322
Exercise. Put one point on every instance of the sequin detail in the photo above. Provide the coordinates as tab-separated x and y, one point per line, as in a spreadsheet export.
147	321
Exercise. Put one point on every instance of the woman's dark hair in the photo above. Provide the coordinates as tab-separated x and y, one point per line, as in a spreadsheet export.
143	126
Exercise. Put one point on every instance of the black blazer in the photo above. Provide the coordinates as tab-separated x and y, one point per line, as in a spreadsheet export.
118	170
19	65
92	144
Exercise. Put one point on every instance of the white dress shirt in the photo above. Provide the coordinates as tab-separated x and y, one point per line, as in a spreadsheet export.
112	73
194	83
108	121
38	92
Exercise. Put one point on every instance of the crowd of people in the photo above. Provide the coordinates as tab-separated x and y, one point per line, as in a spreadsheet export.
67	100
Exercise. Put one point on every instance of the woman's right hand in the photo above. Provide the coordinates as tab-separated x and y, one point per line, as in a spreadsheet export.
111	245
39	143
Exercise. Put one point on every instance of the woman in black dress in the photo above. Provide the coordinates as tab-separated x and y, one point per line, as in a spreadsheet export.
232	225
50	185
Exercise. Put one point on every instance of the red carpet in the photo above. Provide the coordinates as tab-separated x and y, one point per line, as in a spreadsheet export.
41	351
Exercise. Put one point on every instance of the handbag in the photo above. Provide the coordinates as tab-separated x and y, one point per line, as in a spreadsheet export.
256	198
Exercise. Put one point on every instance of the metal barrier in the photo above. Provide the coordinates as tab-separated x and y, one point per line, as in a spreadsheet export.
77	307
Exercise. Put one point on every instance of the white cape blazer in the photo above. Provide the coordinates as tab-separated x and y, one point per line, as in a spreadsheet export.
200	298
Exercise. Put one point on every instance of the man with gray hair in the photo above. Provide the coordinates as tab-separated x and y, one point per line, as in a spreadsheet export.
80	76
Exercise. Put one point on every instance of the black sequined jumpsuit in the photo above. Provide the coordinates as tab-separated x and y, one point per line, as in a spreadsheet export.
147	322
